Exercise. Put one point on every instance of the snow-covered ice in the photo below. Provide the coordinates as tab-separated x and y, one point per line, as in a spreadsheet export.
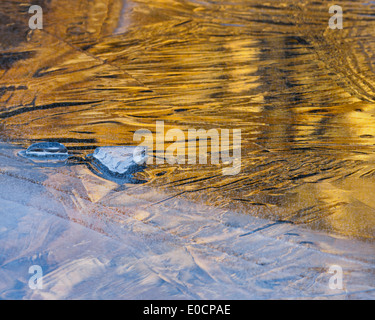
95	240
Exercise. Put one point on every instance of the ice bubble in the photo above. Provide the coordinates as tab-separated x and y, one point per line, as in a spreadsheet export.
46	151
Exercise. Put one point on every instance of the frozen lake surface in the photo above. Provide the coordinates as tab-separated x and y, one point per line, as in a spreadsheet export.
302	95
93	240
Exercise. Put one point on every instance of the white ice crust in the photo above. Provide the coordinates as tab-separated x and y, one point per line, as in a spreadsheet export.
120	159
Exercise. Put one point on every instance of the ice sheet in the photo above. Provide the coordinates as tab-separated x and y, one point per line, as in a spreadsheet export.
96	240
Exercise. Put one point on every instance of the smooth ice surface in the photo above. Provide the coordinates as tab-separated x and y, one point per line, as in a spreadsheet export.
120	159
95	240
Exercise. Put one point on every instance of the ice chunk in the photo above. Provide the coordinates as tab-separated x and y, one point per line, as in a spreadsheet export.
120	160
47	149
50	151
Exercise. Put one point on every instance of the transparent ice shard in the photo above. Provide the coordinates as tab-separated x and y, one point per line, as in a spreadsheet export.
46	152
121	160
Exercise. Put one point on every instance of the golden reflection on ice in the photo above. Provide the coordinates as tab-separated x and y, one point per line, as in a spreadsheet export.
302	94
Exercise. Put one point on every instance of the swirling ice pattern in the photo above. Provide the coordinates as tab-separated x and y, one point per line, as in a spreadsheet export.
302	94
